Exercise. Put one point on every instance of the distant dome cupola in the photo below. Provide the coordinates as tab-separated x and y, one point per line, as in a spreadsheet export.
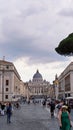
37	75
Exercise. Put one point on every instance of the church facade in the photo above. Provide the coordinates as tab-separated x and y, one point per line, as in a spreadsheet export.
37	87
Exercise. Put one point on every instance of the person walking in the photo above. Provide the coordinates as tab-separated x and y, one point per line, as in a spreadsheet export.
64	119
52	108
2	109
9	112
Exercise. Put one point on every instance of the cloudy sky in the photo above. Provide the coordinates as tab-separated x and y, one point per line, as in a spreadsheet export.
30	30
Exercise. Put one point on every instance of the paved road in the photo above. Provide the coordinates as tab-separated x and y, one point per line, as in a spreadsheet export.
56	115
30	117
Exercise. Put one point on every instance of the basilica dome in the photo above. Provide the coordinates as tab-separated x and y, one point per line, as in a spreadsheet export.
37	75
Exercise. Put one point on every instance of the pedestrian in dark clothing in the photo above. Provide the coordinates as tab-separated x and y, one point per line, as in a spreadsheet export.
52	108
2	109
44	103
9	112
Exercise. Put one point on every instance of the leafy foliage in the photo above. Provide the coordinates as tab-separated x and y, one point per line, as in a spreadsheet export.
65	47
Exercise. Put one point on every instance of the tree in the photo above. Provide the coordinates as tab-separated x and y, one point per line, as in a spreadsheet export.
65	47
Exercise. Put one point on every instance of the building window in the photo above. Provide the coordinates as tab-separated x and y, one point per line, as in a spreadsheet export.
6	96
69	95
16	87
7	67
41	90
34	90
67	83
6	89
7	82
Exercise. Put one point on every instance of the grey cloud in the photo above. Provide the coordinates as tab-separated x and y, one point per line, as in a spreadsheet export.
32	37
66	12
16	46
24	47
31	11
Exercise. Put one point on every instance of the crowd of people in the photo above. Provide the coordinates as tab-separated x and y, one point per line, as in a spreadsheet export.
63	114
7	109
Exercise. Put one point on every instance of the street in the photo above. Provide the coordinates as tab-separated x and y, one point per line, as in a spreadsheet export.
30	117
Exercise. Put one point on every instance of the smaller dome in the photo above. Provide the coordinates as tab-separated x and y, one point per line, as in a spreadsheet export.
37	75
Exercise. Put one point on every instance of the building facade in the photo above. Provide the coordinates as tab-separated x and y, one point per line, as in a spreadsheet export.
9	81
66	82
37	87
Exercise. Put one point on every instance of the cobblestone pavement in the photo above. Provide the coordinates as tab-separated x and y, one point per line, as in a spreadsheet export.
30	117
